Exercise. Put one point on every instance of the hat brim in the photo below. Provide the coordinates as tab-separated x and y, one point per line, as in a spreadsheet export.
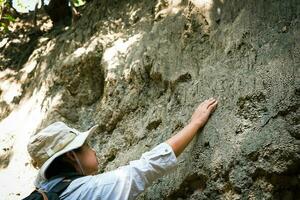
77	142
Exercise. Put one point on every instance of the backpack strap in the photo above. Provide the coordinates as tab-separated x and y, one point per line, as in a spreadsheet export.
56	190
43	194
62	186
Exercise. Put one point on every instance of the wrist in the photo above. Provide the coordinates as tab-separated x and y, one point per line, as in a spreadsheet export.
196	125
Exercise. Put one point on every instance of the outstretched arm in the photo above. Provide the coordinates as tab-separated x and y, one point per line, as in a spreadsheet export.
201	115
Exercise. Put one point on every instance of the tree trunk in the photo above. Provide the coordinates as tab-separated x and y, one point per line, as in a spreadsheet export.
59	12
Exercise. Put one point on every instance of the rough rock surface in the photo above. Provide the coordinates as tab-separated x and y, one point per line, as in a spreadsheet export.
139	69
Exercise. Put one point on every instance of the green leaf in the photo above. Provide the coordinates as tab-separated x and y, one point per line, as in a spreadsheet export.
79	3
4	27
9	18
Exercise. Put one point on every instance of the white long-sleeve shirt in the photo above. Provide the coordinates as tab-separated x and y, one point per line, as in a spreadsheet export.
126	182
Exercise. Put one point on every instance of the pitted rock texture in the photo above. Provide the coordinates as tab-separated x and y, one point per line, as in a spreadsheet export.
140	68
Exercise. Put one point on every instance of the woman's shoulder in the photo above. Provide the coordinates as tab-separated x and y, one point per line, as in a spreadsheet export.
96	180
108	178
91	186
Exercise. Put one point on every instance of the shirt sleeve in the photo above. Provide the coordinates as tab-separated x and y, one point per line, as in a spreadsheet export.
128	181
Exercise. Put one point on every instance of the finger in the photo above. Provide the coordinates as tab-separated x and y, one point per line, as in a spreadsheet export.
210	99
213	106
211	102
206	102
203	103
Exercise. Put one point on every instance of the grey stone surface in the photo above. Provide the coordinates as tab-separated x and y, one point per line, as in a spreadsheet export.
139	69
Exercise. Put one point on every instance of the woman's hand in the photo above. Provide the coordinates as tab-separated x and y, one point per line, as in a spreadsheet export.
180	141
202	113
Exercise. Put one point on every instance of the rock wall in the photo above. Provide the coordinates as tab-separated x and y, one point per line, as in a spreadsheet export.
139	69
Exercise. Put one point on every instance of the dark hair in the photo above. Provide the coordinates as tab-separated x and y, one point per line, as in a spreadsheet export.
60	166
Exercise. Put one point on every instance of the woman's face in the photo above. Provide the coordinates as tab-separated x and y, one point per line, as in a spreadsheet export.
88	159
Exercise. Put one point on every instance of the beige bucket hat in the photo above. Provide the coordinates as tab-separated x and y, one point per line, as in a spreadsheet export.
52	142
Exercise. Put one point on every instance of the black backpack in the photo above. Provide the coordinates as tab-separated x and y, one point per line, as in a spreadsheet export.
54	193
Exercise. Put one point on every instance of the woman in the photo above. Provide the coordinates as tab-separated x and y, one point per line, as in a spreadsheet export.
58	150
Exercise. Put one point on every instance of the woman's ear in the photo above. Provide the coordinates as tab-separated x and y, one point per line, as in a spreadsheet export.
73	159
70	156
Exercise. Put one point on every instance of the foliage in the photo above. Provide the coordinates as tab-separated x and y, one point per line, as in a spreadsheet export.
9	18
79	3
5	16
